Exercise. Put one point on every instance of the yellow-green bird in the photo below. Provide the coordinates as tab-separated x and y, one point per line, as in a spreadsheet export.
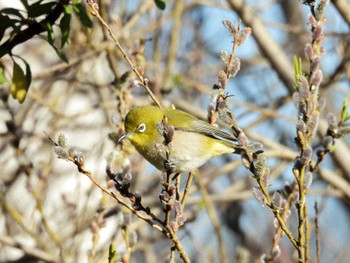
193	141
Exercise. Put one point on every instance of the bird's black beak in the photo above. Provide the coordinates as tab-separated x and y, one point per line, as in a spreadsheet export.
125	135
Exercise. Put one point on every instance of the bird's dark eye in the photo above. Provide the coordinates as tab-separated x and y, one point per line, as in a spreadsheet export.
141	128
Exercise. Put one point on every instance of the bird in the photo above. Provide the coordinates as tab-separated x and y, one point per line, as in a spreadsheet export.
191	142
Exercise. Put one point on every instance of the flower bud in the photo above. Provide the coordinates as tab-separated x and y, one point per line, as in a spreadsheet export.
301	126
244	34
95	6
230	26
315	65
266	177
260	166
177	206
332	121
309	52
277	200
328	142
306	156
276	252
224	56
316	78
312	20
181	219
222	78
62	140
242	139
342	131
304	88
317	34
169	134
61	152
296	99
258	194
307	180
313	122
234	67
174	225
255	147
127	178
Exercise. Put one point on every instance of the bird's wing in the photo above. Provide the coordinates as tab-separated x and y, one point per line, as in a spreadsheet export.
197	125
207	129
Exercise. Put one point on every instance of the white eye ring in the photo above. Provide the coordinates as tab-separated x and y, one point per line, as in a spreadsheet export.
141	128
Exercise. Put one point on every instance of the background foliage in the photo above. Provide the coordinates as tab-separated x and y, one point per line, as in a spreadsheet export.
59	62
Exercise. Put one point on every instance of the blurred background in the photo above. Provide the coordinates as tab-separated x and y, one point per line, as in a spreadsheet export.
52	213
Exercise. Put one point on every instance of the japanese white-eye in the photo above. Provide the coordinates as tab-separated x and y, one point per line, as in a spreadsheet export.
192	141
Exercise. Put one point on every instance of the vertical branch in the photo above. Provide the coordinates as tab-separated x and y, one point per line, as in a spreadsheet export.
307	234
309	108
317	230
174	42
301	214
214	219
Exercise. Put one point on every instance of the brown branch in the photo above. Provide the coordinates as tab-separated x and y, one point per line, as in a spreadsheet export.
143	81
174	42
343	8
317	230
213	218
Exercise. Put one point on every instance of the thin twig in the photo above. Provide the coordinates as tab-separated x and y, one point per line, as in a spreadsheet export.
117	198
186	190
177	244
317	231
307	234
174	42
144	81
214	219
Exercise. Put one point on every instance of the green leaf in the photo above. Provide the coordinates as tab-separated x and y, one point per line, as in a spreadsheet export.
50	33
80	11
344	111
112	253
161	4
51	40
37	9
65	25
3	79
29	73
20	82
298	71
60	53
